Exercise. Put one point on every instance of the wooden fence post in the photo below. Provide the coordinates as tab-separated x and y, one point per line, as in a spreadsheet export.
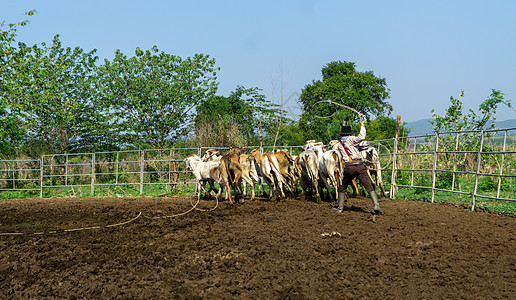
394	158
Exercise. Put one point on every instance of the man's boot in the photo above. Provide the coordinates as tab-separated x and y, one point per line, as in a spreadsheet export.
374	198
342	200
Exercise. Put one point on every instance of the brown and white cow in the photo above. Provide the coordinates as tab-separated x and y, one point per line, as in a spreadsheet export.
267	167
248	174
231	172
286	168
211	154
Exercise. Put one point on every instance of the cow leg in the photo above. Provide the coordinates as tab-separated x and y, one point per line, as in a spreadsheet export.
228	193
319	193
248	180
272	188
328	187
336	185
221	190
354	187
227	187
212	186
280	186
304	188
292	182
379	182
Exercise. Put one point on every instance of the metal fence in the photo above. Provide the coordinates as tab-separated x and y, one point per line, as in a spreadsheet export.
481	164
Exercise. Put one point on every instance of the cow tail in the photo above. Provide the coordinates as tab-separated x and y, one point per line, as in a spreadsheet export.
312	176
226	164
340	170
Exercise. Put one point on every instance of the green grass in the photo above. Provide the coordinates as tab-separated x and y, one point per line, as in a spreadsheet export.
497	206
153	190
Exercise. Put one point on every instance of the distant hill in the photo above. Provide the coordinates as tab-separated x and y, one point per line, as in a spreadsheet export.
422	127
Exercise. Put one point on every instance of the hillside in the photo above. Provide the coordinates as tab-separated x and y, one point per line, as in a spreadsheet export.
422	127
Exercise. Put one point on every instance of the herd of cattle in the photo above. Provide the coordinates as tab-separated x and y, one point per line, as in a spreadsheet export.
315	168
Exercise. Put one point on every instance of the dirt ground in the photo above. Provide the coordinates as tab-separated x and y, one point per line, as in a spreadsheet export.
259	249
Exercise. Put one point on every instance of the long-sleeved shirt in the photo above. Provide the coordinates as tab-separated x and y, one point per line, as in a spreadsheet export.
351	142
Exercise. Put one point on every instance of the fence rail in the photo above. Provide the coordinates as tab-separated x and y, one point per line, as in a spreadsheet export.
481	164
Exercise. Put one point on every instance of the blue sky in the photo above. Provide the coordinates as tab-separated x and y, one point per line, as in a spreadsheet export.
426	50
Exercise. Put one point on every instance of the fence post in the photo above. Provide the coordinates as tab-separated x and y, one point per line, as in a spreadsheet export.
434	167
92	187
116	167
142	157
41	178
501	165
66	169
170	171
455	160
14	175
479	158
413	163
394	174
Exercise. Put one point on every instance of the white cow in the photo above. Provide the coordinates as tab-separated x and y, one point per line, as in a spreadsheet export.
307	164
372	161
330	168
331	171
205	172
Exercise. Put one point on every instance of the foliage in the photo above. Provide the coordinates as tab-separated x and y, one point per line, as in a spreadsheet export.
150	97
48	89
245	117
383	128
11	130
341	83
455	120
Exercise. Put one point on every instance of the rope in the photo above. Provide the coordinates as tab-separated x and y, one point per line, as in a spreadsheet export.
176	215
210	209
75	229
342	105
140	214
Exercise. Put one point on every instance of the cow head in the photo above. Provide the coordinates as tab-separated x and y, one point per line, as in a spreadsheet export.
211	154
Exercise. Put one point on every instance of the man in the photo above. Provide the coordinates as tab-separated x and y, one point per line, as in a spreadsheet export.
354	166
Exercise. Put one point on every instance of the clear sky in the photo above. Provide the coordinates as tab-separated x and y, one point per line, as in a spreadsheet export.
426	50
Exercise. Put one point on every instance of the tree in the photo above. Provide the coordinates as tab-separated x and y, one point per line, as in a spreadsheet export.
11	129
242	118
455	120
383	128
48	89
341	83
150	96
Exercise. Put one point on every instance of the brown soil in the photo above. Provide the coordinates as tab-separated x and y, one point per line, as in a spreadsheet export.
257	249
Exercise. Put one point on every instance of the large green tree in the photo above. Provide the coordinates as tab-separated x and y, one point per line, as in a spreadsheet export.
342	84
49	94
384	128
243	118
11	129
150	97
